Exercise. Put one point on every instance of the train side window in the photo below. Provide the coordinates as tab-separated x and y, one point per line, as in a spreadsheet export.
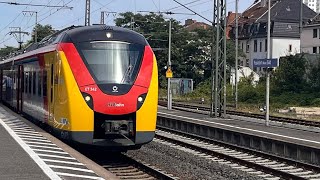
26	81
39	82
29	82
22	82
34	78
44	90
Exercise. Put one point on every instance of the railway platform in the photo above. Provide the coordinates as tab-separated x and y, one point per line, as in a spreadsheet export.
296	143
15	162
28	152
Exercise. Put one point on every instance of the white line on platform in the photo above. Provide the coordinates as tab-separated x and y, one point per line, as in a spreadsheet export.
25	130
42	143
253	130
55	156
64	162
46	147
10	123
18	126
79	176
56	152
71	168
46	169
33	139
33	136
28	133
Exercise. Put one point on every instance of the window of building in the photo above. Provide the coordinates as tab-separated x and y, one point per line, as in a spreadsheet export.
290	47
255	46
314	50
248	48
247	62
266	45
242	46
315	33
260	46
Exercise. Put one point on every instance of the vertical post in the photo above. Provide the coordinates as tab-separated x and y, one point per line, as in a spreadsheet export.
224	55
132	23
169	67
216	87
87	14
35	30
269	56
20	38
236	62
214	26
301	23
102	17
220	51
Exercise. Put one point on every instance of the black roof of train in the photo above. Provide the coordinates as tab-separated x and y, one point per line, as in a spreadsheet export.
99	33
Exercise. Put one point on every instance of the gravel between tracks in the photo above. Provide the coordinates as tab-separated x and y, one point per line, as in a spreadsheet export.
186	165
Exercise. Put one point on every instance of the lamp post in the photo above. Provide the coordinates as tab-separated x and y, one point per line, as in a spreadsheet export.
169	69
268	74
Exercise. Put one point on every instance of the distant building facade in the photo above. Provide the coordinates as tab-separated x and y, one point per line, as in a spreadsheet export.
310	36
285	35
313	4
230	22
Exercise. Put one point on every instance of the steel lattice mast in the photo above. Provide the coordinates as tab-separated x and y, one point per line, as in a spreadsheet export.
220	22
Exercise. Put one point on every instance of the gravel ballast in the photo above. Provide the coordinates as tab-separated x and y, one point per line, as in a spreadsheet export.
186	165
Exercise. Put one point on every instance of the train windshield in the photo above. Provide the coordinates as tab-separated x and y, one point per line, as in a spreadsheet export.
112	61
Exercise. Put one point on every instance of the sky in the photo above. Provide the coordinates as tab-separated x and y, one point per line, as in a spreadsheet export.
58	18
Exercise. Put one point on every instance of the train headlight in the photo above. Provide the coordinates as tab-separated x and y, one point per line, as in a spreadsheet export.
140	99
109	35
88	99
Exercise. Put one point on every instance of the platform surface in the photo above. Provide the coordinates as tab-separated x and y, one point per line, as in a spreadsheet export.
306	136
26	153
15	162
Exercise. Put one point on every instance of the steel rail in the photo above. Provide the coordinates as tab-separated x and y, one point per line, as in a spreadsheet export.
265	169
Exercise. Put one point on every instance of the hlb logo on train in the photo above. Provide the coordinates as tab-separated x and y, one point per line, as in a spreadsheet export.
114	104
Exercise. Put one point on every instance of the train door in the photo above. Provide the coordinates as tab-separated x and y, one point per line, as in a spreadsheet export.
20	83
2	84
50	86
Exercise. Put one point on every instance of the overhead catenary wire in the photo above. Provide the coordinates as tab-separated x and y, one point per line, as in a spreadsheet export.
39	5
5	40
15	18
184	4
78	19
193	11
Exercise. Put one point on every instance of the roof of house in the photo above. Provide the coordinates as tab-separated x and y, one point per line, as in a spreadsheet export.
281	10
285	17
196	25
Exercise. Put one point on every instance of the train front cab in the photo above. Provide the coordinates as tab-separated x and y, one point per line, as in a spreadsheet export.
81	113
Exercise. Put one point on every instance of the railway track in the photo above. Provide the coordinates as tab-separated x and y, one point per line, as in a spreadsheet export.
206	110
264	165
124	166
129	168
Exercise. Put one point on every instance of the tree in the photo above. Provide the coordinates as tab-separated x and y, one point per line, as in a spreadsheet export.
42	32
6	51
314	77
190	51
290	76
